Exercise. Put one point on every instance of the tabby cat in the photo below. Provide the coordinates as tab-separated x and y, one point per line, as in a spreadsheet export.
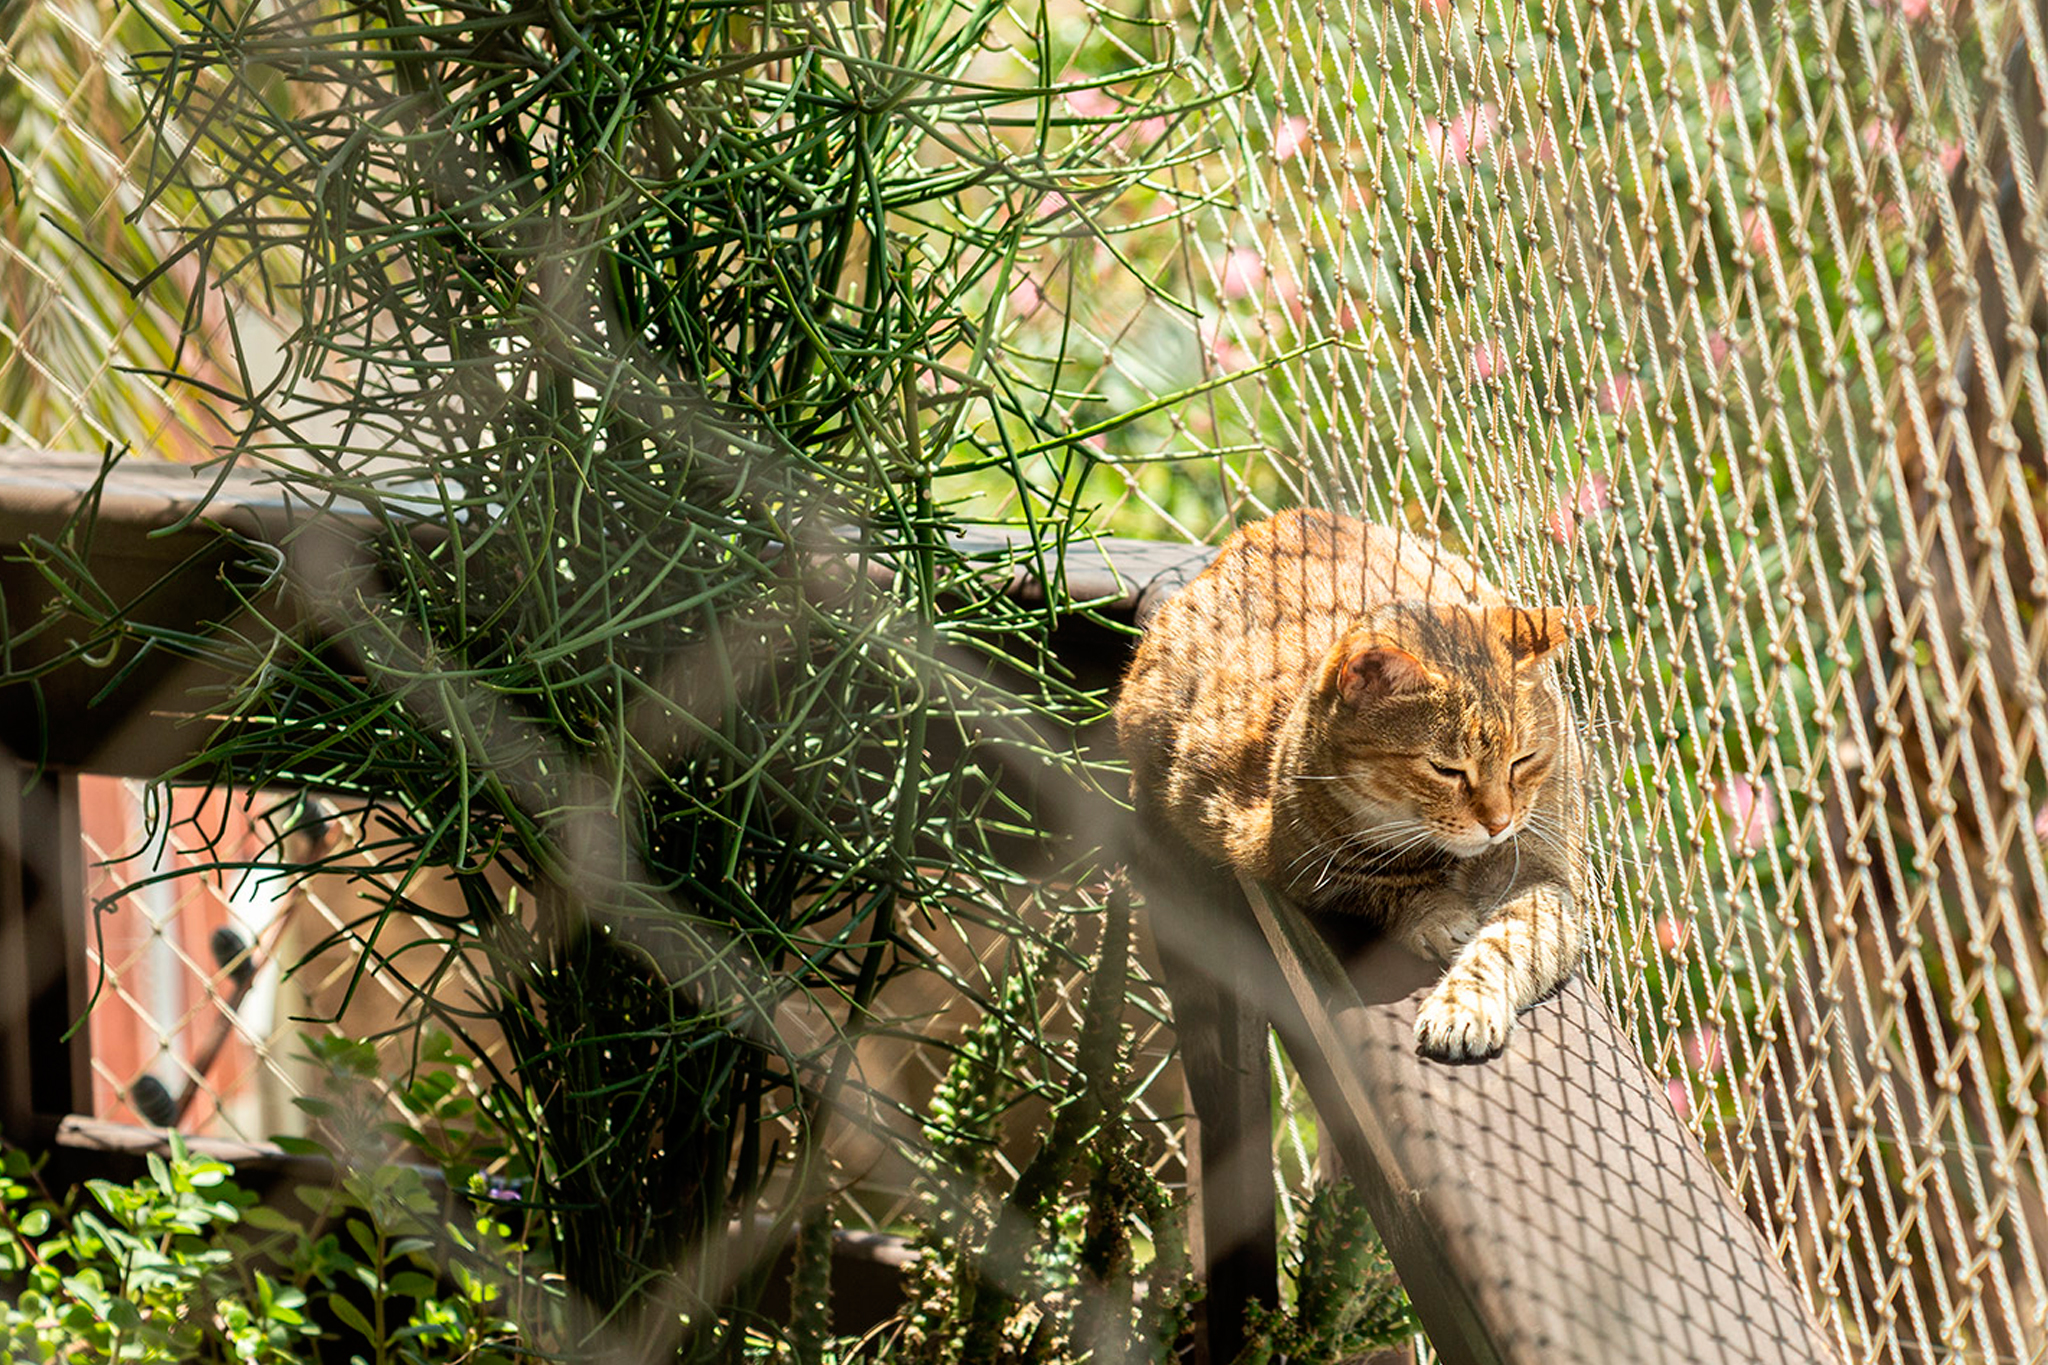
1355	716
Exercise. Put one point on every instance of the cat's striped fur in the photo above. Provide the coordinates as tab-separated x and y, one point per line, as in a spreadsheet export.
1357	717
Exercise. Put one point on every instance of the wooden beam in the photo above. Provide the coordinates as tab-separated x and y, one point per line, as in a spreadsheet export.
1543	1206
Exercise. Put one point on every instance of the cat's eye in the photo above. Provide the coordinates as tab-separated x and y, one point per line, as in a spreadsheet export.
1455	774
1517	764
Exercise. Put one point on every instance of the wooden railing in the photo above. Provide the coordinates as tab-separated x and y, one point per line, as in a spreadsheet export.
1544	1206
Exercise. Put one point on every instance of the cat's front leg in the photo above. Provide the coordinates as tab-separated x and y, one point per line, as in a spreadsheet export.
1525	950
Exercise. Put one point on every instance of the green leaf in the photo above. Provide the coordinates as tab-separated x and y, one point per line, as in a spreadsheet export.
413	1284
350	1315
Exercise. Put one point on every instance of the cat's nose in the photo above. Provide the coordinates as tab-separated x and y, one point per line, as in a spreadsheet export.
1495	823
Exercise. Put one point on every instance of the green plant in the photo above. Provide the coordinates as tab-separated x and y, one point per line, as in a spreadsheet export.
638	350
184	1267
1346	1298
1043	1266
139	1272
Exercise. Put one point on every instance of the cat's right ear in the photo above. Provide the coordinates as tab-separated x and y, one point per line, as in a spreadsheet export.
1371	671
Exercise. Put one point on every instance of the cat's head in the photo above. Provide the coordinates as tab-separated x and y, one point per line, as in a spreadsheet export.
1439	724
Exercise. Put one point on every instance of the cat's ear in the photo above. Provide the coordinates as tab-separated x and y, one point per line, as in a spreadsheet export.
1532	634
1372	670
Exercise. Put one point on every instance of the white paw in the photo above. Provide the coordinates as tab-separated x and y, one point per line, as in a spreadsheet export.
1462	1022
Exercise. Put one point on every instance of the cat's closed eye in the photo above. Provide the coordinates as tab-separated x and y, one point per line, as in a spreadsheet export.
1444	770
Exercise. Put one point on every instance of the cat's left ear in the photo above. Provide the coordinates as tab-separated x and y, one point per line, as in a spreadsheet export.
1532	634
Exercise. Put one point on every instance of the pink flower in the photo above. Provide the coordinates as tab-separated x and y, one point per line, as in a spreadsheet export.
1290	137
1703	1052
1673	934
1243	270
1717	350
1562	523
1950	156
1720	98
1751	808
1347	318
1617	395
1228	356
1099	441
1595	492
1912	11
1489	359
1680	1096
1756	230
1091	103
1026	297
2041	823
1543	152
1467	134
1051	206
1147	131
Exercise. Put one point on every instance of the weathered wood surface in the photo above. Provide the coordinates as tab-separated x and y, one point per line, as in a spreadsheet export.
1544	1206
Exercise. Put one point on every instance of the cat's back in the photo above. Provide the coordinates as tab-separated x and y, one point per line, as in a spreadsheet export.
1222	663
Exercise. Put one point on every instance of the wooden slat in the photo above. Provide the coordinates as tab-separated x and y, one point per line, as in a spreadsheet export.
1544	1206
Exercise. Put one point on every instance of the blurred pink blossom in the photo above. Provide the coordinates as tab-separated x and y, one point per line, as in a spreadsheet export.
1877	135
1673	934
1290	137
1951	156
1594	493
1703	1051
2041	823
1751	808
1912	11
1147	131
1243	271
1757	231
1720	98
1680	1096
1562	522
1489	359
1026	297
1618	395
1717	350
1544	151
1099	441
1051	206
1227	354
1465	136
1347	318
1092	103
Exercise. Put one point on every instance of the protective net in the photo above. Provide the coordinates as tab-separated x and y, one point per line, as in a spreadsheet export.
1723	316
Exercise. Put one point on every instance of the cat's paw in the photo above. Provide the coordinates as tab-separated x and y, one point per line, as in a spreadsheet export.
1463	1021
1438	932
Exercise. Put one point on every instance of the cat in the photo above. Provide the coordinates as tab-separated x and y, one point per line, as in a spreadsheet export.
1355	716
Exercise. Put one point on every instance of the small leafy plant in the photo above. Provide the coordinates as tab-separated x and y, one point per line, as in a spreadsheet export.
185	1266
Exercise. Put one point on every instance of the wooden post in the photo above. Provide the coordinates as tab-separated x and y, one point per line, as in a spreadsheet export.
1203	931
43	1074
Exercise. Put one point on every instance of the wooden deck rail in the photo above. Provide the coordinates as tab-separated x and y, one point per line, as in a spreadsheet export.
1543	1206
